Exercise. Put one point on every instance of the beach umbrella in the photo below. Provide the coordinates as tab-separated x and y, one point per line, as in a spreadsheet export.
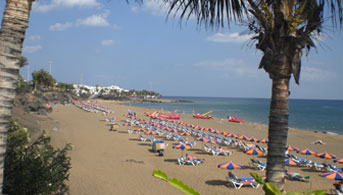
252	139
254	152
292	162
212	141
243	137
141	129
185	134
182	147
230	166
233	135
326	155
291	148
151	133
339	160
264	140
333	175
307	152
250	145
224	133
202	139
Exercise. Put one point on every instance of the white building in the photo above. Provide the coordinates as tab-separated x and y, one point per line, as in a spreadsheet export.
85	89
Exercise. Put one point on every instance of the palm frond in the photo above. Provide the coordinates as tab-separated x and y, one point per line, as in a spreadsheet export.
212	13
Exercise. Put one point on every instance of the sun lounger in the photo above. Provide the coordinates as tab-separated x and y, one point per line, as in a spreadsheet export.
303	161
216	152
132	131
262	149
195	162
144	139
192	143
318	166
295	177
227	142
169	136
331	168
206	148
231	175
257	164
240	182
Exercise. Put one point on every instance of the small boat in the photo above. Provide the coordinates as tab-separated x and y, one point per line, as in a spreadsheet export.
164	117
198	116
235	120
174	117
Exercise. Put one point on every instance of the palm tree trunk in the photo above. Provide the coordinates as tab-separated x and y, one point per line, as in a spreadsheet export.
12	35
278	131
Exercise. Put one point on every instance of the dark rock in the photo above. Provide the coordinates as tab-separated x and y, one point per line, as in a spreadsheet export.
37	102
34	106
42	112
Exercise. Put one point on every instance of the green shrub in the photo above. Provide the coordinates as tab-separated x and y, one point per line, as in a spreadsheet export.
34	167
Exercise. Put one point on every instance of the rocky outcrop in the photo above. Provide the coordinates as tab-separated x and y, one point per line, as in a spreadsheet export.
41	103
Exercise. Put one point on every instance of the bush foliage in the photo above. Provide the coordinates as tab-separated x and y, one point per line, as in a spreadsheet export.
42	79
34	167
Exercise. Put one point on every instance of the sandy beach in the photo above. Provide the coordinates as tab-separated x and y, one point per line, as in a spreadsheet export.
115	162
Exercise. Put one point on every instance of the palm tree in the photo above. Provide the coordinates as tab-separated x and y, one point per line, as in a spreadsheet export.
283	29
12	35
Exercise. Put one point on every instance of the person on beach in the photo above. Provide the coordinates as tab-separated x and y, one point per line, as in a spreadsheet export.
318	142
339	186
188	157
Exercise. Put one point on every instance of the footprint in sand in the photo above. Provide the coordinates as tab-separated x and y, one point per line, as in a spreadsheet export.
134	161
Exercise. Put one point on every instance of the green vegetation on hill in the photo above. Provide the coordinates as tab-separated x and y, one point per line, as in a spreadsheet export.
43	80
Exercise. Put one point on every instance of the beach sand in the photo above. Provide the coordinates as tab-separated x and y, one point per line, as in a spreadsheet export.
115	162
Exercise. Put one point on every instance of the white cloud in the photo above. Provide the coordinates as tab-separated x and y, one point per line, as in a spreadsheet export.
96	20
230	67
34	38
31	48
107	42
60	27
57	4
315	74
229	38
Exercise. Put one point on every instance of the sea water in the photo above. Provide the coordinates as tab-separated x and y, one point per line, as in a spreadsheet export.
310	115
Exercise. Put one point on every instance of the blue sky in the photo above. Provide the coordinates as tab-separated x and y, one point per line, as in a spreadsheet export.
132	46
